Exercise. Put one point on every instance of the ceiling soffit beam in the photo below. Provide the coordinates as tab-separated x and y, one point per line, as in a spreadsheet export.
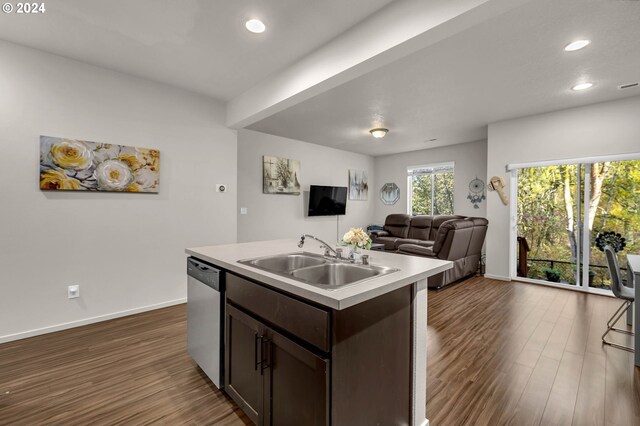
400	29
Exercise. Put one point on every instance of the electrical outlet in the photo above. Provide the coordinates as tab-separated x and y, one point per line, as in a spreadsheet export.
243	210
73	291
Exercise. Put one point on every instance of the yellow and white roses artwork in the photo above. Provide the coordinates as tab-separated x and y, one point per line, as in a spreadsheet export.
75	165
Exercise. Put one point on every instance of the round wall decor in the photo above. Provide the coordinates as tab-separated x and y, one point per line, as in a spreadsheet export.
476	192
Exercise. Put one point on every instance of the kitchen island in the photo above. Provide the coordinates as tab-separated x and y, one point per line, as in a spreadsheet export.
297	353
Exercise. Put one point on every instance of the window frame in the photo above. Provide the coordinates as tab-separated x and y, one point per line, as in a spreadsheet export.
431	169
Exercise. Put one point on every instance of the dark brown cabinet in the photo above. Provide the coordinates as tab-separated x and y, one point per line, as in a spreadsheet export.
243	367
274	380
290	362
297	383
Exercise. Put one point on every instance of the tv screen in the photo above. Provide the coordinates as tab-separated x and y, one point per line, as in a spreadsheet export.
327	200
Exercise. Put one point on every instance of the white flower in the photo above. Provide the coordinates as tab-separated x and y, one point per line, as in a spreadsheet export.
146	179
113	175
71	154
357	237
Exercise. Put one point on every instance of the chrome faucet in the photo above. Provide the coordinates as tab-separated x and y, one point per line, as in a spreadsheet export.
327	247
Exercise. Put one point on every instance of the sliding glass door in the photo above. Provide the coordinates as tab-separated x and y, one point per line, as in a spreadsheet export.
614	206
561	209
549	222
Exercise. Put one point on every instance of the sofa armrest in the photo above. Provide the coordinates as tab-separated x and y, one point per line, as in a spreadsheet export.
376	234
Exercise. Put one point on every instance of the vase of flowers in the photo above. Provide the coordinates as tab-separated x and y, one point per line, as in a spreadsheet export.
356	239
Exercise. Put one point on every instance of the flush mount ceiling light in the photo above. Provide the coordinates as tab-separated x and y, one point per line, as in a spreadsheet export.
379	132
576	45
582	86
256	26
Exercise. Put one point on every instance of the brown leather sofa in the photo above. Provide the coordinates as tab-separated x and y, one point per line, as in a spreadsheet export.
406	229
453	238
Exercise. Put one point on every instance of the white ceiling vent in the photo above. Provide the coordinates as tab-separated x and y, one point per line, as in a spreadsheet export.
628	86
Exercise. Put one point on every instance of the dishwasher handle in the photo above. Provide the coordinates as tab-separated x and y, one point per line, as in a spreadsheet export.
203	272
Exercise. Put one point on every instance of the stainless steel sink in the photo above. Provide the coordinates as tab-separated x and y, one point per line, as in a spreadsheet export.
317	270
339	274
285	263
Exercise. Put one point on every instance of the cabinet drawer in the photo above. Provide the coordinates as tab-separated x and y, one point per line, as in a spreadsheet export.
298	318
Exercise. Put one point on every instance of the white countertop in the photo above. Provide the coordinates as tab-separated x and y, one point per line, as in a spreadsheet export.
411	269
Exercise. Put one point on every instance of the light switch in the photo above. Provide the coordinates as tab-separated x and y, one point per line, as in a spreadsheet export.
243	210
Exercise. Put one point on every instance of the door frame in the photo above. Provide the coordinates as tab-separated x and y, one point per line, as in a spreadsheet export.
585	235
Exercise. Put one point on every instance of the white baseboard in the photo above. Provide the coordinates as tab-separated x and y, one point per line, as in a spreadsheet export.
497	277
86	321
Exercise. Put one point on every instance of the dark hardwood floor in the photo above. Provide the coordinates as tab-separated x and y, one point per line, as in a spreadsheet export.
521	354
499	353
128	371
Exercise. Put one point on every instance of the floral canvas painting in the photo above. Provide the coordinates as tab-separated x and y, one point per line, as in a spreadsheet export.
280	176
76	165
358	185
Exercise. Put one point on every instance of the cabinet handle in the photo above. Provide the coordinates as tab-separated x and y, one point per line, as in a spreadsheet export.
267	354
255	350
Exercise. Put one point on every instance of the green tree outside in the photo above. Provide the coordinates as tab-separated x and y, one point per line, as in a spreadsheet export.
548	215
421	194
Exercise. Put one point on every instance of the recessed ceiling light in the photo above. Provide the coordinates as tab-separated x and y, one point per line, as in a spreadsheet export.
255	26
379	132
582	86
576	45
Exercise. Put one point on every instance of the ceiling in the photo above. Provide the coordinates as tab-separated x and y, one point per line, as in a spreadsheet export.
509	66
198	45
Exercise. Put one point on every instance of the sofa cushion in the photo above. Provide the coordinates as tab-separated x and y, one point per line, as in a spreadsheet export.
450	225
420	227
427	243
416	249
437	222
401	241
397	225
389	242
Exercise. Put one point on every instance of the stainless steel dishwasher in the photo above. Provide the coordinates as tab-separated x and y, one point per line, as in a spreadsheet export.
205	312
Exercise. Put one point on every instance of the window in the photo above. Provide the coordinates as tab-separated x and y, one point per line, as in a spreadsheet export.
430	189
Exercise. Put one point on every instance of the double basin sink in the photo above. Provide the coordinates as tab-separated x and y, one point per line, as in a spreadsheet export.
317	270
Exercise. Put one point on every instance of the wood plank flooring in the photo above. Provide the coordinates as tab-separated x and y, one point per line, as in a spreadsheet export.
129	371
504	353
499	353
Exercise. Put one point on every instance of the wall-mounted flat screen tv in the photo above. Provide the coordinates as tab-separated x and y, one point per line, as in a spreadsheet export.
327	200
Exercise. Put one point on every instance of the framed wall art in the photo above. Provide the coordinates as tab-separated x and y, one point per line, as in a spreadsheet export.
358	185
78	165
280	175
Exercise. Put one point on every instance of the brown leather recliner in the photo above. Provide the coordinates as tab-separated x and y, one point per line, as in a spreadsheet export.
396	226
457	240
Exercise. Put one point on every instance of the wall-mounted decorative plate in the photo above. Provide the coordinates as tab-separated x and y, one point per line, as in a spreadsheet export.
389	193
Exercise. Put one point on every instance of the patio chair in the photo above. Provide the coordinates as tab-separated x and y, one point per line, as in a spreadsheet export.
621	292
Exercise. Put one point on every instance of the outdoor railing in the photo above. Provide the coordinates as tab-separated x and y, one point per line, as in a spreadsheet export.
600	279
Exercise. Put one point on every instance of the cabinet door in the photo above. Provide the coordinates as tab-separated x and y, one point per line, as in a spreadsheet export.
243	366
295	381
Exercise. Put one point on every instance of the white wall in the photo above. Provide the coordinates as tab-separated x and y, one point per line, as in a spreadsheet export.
125	250
599	129
273	216
470	161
